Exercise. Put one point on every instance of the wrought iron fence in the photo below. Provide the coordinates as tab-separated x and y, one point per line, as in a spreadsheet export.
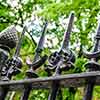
58	61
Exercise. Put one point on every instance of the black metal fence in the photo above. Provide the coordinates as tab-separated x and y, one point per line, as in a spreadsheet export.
58	61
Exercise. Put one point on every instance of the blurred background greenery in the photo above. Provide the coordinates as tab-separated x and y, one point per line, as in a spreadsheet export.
21	12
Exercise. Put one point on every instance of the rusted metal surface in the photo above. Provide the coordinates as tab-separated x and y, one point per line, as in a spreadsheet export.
70	80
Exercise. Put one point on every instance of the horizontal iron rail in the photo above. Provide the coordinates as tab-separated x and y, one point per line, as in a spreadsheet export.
70	80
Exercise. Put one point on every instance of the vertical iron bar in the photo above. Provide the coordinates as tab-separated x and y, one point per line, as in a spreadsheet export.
91	83
16	54
65	46
39	48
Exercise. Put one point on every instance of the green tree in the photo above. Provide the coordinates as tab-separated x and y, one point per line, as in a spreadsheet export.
86	12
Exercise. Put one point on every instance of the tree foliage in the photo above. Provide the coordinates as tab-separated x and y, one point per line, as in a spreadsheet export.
87	13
